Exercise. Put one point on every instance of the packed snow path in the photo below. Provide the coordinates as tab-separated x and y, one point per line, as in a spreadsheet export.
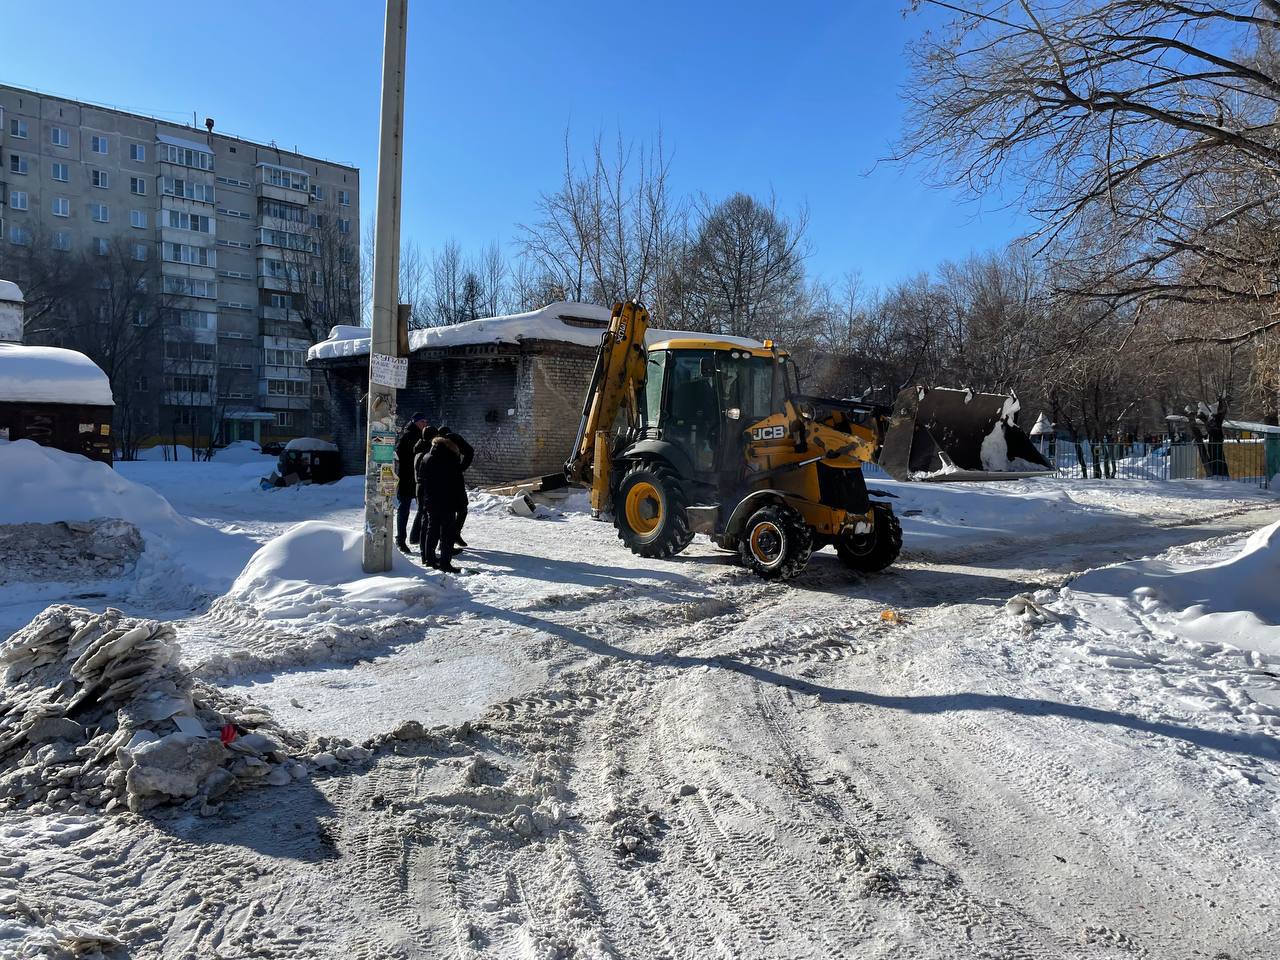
677	760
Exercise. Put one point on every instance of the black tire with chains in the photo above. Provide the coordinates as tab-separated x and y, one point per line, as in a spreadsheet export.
875	550
793	551
673	534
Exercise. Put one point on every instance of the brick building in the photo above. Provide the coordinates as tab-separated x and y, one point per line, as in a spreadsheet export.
513	386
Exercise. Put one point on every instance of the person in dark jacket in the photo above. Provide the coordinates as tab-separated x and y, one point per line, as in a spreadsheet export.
423	516
468	454
406	484
442	492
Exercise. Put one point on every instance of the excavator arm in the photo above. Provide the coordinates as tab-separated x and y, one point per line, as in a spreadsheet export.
619	375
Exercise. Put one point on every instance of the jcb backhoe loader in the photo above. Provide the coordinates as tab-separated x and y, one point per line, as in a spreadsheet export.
693	433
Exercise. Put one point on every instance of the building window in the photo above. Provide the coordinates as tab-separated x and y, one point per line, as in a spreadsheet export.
99	178
138	186
140	383
284	177
284	418
173	187
184	253
98	145
139	251
197	320
58	136
188	384
282	301
282	211
190	221
18	128
344	198
58	171
286	358
344	226
18	199
138	152
101	212
61	207
138	218
19	235
62	241
191	287
139	317
100	246
17	164
184	157
317	192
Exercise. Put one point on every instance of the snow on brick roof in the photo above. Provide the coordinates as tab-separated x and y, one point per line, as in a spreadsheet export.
555	321
311	444
51	375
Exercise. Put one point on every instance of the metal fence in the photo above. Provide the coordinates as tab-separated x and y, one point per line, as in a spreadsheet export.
1254	461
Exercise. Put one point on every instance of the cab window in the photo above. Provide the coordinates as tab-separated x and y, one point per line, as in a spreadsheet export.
746	384
651	409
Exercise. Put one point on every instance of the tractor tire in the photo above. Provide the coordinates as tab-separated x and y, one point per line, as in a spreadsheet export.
776	543
649	511
876	550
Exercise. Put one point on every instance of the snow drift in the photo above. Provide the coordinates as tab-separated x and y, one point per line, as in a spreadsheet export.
313	572
182	556
1235	601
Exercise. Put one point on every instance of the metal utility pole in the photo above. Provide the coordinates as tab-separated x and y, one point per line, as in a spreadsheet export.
385	373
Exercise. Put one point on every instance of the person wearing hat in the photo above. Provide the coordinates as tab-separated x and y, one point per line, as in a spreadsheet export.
406	484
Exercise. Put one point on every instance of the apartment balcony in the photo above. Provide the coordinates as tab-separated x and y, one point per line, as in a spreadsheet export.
175	398
279	314
270	401
292	329
272	371
279	284
288	195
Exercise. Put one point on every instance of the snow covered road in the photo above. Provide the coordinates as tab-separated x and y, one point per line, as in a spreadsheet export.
645	759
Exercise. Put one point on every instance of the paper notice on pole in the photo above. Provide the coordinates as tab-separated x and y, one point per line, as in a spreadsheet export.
390	371
383	446
387	480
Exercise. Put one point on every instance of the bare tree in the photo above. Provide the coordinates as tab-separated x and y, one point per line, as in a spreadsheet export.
606	232
1140	132
745	267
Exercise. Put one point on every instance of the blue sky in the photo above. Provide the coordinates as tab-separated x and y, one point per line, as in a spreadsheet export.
801	98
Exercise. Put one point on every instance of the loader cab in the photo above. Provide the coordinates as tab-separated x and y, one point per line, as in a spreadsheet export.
703	396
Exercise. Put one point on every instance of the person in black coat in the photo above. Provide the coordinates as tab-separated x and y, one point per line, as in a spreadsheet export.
421	518
467	453
442	492
406	484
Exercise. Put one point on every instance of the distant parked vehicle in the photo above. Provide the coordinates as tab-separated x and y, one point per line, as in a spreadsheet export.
306	460
273	449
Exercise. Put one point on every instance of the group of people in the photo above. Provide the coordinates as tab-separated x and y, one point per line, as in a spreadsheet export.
430	463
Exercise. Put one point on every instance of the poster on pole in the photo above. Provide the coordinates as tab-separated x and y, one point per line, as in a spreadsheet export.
383	446
390	371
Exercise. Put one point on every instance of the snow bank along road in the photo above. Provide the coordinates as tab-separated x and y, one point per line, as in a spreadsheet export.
677	760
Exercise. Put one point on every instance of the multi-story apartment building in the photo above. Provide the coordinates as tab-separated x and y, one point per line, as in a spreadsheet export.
255	248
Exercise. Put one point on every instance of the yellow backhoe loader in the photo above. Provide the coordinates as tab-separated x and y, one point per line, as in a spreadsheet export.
686	433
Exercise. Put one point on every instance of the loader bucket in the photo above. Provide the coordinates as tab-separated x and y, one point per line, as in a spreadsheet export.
942	434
